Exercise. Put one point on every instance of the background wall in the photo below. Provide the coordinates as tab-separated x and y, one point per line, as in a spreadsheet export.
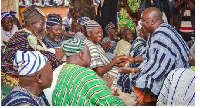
8	5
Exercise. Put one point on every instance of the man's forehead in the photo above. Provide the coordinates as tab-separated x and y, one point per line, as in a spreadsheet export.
6	19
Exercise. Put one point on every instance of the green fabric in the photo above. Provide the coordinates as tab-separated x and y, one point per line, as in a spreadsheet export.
125	19
5	90
8	82
72	46
193	68
79	86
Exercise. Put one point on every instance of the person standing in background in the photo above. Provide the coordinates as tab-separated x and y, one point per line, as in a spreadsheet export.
81	8
107	12
128	14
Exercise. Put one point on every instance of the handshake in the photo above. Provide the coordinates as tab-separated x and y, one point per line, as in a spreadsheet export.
122	60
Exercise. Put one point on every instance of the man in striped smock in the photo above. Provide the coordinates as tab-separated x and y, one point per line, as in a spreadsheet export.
77	85
100	62
165	51
35	74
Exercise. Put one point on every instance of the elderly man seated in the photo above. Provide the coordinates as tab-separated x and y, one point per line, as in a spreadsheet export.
77	85
54	35
35	74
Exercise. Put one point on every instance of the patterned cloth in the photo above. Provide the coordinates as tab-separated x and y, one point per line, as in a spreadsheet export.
126	81
83	20
21	97
82	8
72	46
165	51
32	14
51	44
35	42
137	49
79	86
125	18
19	41
53	19
99	58
8	82
178	89
91	24
109	27
49	91
29	62
123	47
7	14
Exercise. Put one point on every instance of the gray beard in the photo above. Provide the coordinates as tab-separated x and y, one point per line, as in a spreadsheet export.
57	40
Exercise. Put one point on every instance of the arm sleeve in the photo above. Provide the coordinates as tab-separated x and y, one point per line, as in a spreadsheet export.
159	60
33	43
96	60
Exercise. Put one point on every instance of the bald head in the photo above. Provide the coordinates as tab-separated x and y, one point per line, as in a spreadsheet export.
153	13
151	19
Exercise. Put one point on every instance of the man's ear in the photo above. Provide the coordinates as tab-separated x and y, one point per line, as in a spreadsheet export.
88	33
39	78
81	55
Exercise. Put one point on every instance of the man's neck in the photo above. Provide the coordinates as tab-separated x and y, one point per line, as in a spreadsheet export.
74	60
35	90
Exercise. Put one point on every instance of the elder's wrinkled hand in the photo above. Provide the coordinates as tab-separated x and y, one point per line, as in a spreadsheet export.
59	53
106	44
120	59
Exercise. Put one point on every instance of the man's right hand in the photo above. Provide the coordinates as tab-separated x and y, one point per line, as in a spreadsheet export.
106	44
59	53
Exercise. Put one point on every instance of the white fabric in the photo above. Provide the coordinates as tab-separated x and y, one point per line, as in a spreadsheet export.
49	91
29	62
178	89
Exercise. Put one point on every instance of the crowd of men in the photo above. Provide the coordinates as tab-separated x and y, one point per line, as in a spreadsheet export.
136	58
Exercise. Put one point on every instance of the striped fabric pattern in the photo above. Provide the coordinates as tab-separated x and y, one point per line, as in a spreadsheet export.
178	89
127	81
79	86
72	46
29	62
21	97
137	48
91	24
100	58
165	51
7	14
19	41
109	27
53	19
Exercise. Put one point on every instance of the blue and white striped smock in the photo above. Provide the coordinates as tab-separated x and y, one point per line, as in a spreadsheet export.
165	51
137	49
178	89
